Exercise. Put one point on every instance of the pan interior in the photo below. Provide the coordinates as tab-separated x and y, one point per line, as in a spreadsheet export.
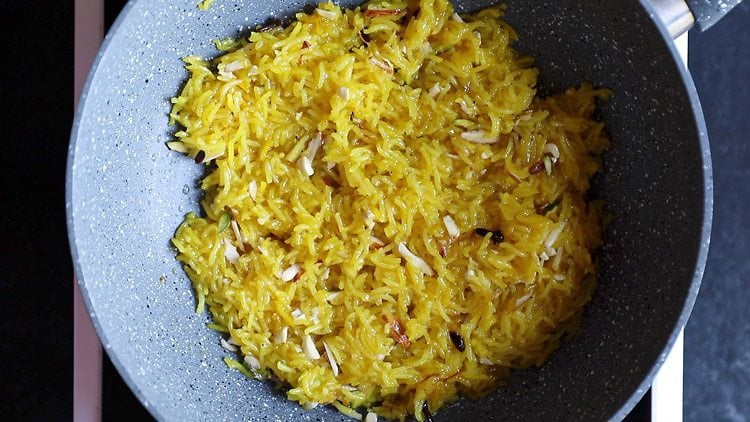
127	193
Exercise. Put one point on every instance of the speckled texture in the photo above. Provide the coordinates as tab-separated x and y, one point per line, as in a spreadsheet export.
127	193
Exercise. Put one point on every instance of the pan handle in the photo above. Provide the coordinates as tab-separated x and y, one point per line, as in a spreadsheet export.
708	12
675	14
680	15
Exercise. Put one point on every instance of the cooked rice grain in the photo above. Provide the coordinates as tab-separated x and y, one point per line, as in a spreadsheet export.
409	126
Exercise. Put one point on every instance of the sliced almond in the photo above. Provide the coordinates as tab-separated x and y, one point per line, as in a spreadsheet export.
479	137
225	344
558	259
252	189
344	93
308	346
252	362
281	336
234	66
328	14
291	272
523	299
553	235
383	64
552	150
331	359
304	164
177	146
451	227
435	90
230	252
414	260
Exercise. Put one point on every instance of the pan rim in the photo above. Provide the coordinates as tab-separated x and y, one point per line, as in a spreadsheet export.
69	180
705	238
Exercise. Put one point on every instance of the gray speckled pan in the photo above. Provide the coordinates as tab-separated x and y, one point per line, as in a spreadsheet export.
126	194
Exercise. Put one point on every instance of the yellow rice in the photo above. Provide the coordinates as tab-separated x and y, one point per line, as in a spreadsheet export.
342	272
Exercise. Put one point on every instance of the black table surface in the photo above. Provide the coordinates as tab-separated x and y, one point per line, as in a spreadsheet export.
36	88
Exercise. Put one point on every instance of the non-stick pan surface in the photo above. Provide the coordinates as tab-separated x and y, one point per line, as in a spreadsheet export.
126	194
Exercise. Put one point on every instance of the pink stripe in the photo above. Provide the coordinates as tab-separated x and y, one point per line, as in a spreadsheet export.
87	351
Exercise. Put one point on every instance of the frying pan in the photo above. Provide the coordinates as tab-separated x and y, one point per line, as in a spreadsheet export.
126	194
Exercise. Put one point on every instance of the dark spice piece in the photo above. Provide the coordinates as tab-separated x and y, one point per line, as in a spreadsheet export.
305	44
457	340
497	235
552	205
309	8
298	276
443	251
330	181
536	168
271	23
414	14
426	412
200	156
364	37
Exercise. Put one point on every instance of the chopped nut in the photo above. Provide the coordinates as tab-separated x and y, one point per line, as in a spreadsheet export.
308	346
523	299
305	166
479	137
553	235
281	336
536	168
328	14
230	252
398	333
435	90
225	344
331	359
344	92
177	146
547	165
252	362
553	151
376	243
290	273
451	227
415	260
252	189
558	259
383	64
